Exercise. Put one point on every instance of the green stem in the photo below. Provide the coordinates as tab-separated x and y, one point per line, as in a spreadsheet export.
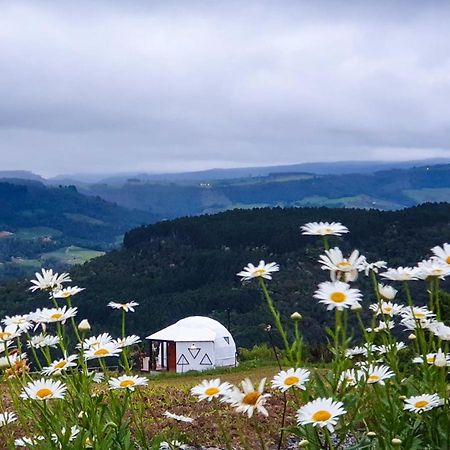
276	316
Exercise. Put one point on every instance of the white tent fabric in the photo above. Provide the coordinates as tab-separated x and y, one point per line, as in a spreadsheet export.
195	333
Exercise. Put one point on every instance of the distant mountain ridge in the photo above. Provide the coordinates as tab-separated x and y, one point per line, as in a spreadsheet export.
336	167
387	190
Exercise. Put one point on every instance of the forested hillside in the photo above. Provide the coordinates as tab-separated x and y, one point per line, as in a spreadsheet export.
187	266
56	225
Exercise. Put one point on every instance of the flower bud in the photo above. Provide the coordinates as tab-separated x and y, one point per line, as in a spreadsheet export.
296	316
84	325
396	442
371	434
440	359
303	443
412	336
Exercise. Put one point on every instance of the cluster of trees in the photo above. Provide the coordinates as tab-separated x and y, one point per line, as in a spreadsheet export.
188	267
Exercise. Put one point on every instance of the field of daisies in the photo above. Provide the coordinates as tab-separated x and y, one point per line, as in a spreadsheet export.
385	388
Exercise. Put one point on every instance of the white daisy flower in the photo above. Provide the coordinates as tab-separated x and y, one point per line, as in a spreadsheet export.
417	312
129	382
411	324
47	280
250	400
433	268
102	351
287	379
401	274
51	315
59	365
357	351
373	267
322	412
6	418
4	345
12	359
440	330
323	229
442	253
178	417
336	294
128	341
97	377
27	441
386	292
209	389
349	377
383	349
44	390
387	308
263	270
22	322
74	432
376	374
9	332
124	306
345	269
97	341
172	445
439	359
67	292
382	326
422	403
41	340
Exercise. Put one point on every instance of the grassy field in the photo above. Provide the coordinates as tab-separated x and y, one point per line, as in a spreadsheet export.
215	424
72	255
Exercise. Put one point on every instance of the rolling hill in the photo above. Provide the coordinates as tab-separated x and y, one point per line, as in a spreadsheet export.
41	225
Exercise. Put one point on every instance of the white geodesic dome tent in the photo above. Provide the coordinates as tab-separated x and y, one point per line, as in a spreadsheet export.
194	343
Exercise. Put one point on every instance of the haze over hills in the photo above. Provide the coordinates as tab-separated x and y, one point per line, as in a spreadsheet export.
334	167
167	196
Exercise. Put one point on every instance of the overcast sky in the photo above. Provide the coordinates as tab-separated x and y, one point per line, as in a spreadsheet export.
114	86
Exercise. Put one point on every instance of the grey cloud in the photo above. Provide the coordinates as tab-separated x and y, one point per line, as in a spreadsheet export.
109	85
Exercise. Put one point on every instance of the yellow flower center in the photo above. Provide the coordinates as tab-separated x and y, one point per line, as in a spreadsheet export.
338	297
321	416
212	391
56	316
328	230
448	260
44	393
430	359
101	352
419	315
421	404
259	272
123	305
344	264
373	378
127	383
4	335
60	365
66	294
387	309
289	381
251	398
